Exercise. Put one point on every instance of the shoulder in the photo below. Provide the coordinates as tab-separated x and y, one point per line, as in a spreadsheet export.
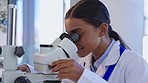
136	67
133	59
132	55
129	57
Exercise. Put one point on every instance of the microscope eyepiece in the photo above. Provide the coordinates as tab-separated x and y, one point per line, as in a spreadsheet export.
63	35
74	37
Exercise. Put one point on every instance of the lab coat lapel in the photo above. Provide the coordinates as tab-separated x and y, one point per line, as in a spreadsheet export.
88	59
100	71
101	68
113	55
111	59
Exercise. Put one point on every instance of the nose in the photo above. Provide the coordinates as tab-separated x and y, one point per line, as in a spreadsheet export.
77	44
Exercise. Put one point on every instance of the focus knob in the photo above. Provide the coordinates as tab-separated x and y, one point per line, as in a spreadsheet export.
22	79
19	51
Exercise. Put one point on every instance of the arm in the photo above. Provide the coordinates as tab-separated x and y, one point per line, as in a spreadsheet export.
26	68
137	71
71	70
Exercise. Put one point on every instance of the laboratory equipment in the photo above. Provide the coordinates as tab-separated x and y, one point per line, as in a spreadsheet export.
62	48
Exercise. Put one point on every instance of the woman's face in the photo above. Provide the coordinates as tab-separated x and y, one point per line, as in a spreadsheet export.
89	35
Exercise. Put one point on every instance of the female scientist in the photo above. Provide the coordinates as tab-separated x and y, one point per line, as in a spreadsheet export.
105	58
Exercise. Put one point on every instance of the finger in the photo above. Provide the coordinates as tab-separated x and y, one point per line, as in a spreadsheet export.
60	66
21	68
65	76
63	64
28	70
64	70
54	63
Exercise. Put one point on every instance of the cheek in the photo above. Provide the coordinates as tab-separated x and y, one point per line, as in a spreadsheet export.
92	44
88	44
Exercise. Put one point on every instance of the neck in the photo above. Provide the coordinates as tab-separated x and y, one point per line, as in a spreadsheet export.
98	52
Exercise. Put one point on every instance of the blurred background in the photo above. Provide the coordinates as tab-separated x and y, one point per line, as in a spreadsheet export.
41	21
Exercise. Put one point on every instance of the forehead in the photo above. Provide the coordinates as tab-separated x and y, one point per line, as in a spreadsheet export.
72	24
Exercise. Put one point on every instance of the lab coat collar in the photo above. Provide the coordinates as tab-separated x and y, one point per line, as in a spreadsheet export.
111	59
113	55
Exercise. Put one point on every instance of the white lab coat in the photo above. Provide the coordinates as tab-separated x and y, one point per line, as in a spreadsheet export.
131	68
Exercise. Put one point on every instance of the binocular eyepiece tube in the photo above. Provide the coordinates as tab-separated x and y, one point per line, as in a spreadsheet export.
74	37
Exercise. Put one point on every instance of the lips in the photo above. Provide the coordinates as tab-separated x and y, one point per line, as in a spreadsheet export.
79	48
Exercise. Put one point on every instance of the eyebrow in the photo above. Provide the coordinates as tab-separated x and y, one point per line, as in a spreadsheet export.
75	30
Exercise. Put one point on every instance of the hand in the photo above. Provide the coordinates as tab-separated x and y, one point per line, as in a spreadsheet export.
24	68
67	68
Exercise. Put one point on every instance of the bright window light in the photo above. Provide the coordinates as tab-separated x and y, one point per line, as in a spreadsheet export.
19	26
49	19
145	47
145	38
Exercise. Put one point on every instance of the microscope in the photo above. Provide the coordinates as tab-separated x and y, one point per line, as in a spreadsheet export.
62	47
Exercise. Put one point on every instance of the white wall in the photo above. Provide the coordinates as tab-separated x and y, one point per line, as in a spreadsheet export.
127	19
72	2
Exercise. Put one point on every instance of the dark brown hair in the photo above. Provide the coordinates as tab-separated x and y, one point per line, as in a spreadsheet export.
95	13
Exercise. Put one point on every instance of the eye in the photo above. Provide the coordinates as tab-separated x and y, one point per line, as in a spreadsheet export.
80	34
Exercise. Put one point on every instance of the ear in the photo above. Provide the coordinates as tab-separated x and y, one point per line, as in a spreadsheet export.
103	29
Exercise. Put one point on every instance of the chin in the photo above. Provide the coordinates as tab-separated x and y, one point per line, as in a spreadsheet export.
82	54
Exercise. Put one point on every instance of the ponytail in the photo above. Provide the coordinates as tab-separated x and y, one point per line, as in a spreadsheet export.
113	34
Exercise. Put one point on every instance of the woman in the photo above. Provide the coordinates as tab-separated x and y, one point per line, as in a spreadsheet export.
105	58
